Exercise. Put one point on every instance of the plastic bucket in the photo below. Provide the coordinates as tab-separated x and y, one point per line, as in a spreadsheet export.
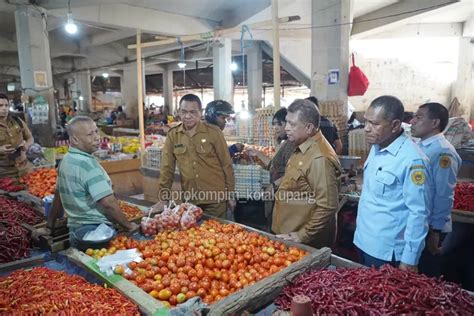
82	245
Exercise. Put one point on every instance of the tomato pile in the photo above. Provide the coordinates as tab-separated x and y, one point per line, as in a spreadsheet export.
267	151
99	253
464	196
42	291
41	182
212	261
130	211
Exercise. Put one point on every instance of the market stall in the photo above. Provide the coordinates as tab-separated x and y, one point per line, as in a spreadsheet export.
59	286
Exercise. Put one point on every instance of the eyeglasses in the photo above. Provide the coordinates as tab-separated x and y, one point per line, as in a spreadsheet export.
192	113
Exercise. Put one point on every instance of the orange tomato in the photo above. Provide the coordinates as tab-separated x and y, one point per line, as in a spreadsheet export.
164	294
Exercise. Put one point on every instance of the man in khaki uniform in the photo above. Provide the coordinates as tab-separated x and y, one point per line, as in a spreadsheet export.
200	151
307	199
15	139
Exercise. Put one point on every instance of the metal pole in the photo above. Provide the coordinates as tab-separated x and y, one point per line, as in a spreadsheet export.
276	55
141	123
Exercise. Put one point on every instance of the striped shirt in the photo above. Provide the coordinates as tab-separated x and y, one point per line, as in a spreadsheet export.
81	183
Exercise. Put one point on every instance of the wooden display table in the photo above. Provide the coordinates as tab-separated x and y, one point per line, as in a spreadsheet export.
125	175
151	179
122	131
462	216
106	128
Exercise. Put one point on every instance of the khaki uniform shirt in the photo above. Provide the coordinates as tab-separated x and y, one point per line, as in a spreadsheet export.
203	161
11	133
307	199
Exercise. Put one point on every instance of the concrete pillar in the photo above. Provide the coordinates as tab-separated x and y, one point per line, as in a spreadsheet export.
254	76
35	65
463	87
330	48
168	89
222	75
83	87
129	90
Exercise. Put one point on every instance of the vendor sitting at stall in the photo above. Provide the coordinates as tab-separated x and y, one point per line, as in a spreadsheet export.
217	112
83	187
307	200
200	151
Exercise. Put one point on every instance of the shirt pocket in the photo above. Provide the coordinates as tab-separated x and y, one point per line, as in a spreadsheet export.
179	153
385	184
291	181
3	138
204	148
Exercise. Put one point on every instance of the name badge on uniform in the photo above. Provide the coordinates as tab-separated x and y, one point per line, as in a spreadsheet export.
203	140
178	145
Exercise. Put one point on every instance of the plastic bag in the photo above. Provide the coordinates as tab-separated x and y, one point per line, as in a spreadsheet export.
358	82
183	216
107	264
102	232
170	217
191	216
150	226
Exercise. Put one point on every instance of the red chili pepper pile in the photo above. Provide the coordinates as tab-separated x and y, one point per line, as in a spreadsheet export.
16	211
464	196
10	185
15	240
388	291
42	291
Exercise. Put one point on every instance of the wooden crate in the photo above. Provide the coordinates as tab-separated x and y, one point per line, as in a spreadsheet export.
238	301
27	197
147	304
461	216
21	264
125	175
264	292
59	239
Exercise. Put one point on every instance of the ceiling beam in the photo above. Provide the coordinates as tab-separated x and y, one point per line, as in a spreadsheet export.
394	15
422	30
7	45
468	28
286	64
106	37
133	17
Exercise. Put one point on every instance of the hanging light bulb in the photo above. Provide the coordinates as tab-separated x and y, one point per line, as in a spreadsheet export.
81	98
70	26
105	75
244	114
233	66
181	63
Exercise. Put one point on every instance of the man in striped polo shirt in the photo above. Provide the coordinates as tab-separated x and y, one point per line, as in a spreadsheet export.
83	188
